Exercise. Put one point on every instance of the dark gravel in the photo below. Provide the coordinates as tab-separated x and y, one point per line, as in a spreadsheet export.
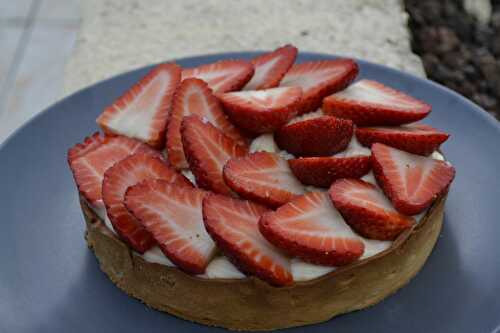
457	51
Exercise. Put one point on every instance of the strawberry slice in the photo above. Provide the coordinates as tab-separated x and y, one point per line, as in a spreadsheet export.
263	177
195	97
262	111
234	225
88	169
412	182
172	214
321	136
222	76
271	67
319	79
323	171
128	172
370	103
142	111
414	138
367	210
309	227
90	143
207	149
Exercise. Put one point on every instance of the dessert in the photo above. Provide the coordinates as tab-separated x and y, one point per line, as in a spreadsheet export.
257	210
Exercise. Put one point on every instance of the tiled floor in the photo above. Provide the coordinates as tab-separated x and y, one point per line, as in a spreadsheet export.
36	39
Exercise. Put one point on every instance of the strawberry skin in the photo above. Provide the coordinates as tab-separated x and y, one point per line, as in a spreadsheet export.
411	182
222	76
367	210
262	111
207	149
125	173
323	171
309	227
271	67
370	103
234	225
417	139
321	136
319	79
263	177
88	169
89	143
194	97
172	214
142	112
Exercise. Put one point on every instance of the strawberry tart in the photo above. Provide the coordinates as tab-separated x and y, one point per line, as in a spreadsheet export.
262	194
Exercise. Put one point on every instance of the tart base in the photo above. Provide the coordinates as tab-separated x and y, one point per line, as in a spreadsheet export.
251	304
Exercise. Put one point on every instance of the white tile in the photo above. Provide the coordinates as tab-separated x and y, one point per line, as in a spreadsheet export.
10	36
14	8
59	9
39	80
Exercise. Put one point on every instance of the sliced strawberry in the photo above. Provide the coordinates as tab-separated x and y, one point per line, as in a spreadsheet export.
370	103
367	210
309	227
263	177
323	171
128	172
195	97
88	169
262	111
222	76
414	138
207	149
234	225
172	214
319	79
90	143
142	111
321	136
412	182
271	67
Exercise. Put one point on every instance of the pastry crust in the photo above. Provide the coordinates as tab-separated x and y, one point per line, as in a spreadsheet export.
251	304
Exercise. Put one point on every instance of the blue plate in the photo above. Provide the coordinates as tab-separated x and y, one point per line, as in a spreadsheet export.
51	282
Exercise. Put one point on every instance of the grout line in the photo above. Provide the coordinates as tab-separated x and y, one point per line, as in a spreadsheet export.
18	54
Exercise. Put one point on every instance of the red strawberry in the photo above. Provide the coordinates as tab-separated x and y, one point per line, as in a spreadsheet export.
195	97
323	171
88	169
412	182
234	225
142	111
415	138
271	67
117	179
321	136
370	103
207	149
262	111
222	76
263	177
90	143
367	210
319	79
172	214
309	227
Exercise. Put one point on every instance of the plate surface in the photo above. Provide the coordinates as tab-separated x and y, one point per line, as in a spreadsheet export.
51	282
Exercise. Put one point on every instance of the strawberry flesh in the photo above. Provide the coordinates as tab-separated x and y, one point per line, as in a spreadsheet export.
309	227
234	225
370	103
194	97
321	136
90	143
411	182
367	210
263	177
262	111
142	112
172	214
